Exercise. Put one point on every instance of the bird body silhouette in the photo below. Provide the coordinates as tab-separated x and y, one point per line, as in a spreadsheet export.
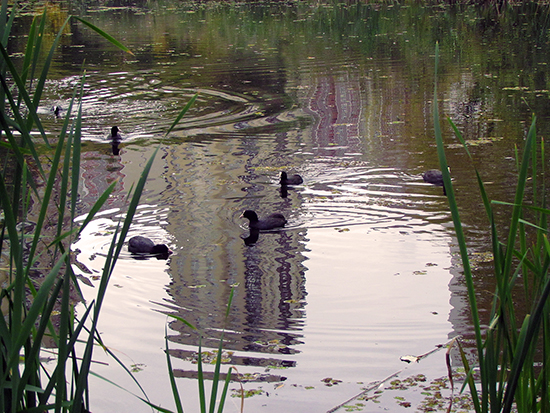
290	180
143	245
434	177
270	222
115	135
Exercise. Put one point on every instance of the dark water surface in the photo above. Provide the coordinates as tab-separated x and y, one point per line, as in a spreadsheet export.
365	270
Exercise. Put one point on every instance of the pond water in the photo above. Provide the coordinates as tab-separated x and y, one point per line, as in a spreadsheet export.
365	271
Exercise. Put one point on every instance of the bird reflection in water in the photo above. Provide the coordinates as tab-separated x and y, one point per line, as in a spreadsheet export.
252	237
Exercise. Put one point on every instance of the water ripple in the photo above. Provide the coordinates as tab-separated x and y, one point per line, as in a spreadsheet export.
148	104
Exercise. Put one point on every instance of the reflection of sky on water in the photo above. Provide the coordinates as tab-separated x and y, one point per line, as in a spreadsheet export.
357	278
354	279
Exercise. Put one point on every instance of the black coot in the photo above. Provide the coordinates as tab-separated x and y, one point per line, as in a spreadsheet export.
435	177
291	180
57	110
270	222
116	139
143	245
115	135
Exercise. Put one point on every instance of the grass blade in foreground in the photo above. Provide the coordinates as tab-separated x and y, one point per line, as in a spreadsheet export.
182	113
200	376
507	355
457	225
23	329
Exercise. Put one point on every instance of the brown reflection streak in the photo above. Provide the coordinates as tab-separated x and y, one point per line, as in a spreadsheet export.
335	104
99	170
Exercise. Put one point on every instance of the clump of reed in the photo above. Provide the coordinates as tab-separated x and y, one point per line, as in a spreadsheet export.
513	352
40	288
201	379
38	303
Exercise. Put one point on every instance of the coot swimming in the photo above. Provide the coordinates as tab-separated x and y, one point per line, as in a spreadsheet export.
435	177
115	136
291	180
143	245
270	222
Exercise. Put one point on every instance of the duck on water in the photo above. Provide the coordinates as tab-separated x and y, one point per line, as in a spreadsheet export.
143	245
272	221
434	177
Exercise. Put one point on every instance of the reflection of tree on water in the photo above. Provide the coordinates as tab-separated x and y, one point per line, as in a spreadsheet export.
99	170
265	319
205	191
258	317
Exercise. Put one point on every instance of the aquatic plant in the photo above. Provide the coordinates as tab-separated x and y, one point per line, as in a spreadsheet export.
201	377
40	288
513	352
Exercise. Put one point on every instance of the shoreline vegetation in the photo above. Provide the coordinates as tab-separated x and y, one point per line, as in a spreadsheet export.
39	297
512	354
41	288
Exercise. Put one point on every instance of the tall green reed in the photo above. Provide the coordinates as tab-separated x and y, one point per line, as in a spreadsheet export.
214	393
513	352
48	183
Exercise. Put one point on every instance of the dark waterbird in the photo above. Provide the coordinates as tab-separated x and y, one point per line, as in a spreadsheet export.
291	180
435	177
115	140
143	245
115	135
270	222
57	110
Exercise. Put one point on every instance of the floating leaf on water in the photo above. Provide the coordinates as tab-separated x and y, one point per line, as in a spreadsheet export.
409	359
329	381
276	367
486	256
353	407
136	368
248	377
516	88
477	142
197	286
246	393
85	280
